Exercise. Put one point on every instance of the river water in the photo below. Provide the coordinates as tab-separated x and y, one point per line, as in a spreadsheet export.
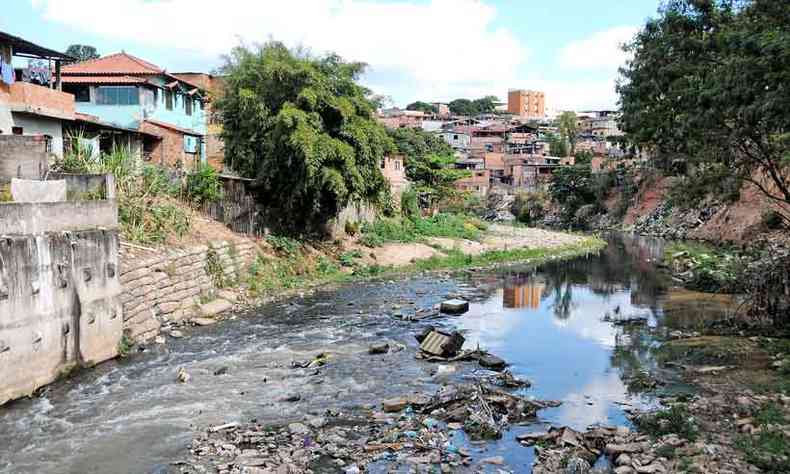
131	416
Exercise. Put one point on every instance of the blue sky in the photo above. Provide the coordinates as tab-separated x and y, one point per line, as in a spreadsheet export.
417	49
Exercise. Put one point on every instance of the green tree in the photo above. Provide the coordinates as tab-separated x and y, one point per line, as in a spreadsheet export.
429	160
305	130
572	187
584	157
462	107
486	105
708	84
569	128
422	106
557	146
82	52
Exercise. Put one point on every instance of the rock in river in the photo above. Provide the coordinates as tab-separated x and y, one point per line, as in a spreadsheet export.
455	306
379	348
492	362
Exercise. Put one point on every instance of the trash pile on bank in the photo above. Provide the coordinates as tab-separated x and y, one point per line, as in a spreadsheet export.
411	430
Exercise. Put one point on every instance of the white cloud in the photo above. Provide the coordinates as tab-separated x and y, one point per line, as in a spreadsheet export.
441	49
600	51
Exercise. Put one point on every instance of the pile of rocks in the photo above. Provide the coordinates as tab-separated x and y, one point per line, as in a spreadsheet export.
567	450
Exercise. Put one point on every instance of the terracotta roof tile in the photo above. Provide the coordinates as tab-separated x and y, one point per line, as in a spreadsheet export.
118	63
185	131
102	80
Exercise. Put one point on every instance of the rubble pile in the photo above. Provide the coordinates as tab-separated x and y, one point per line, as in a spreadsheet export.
566	450
412	430
498	206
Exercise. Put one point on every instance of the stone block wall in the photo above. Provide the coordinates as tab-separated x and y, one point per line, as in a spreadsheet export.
168	287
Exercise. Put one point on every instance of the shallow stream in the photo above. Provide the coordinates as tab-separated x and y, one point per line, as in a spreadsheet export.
131	416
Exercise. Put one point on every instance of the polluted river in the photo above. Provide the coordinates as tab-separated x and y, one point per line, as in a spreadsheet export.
551	324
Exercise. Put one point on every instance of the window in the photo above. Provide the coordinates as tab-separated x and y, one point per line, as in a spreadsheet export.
169	100
81	92
188	105
122	95
455	137
17	130
190	144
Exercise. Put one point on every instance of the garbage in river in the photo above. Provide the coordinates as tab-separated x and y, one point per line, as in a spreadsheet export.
415	430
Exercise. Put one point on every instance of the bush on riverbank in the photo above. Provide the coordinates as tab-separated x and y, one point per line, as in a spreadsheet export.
703	268
401	229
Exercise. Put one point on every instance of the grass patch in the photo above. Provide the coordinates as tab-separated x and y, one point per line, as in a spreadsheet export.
770	414
769	450
675	420
707	350
125	345
294	267
454	258
401	229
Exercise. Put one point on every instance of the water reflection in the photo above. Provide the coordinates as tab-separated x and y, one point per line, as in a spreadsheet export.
549	323
522	292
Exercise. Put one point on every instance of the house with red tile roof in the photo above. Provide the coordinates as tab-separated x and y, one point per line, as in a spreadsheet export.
131	93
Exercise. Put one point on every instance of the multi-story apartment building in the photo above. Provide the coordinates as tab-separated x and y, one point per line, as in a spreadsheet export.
526	104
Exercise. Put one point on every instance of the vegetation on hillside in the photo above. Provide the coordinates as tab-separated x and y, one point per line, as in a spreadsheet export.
150	199
429	161
569	128
422	107
706	91
414	229
304	128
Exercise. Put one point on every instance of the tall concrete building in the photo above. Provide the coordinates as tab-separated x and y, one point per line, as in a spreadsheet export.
526	104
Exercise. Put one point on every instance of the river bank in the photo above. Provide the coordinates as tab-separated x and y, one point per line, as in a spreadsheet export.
254	372
282	267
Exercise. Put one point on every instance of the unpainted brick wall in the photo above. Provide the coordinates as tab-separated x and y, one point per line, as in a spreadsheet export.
168	287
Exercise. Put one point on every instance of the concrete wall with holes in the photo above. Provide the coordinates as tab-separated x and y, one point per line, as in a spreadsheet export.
59	292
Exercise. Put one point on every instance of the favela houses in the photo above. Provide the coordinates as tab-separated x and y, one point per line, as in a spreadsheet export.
392	236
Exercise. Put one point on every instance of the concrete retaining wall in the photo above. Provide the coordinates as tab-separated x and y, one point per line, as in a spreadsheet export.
22	156
86	185
43	217
168	287
59	306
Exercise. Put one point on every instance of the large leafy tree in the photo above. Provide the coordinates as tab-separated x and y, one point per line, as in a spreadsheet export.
82	52
305	130
708	84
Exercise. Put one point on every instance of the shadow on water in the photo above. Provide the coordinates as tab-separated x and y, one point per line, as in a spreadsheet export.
131	415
